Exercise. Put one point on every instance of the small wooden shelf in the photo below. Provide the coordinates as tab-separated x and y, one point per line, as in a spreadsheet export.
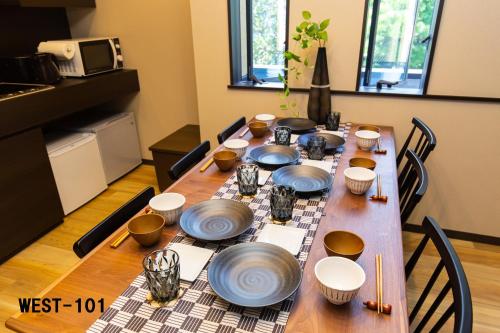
49	3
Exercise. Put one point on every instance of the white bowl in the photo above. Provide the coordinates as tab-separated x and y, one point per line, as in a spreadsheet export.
268	118
239	146
168	205
358	179
339	279
366	140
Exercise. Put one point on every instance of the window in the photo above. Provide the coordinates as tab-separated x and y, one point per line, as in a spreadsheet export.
258	34
397	45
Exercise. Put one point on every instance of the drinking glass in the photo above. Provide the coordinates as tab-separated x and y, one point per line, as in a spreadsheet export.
248	176
316	147
162	271
333	121
282	135
282	201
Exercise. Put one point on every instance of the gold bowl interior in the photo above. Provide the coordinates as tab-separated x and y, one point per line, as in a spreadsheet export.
369	128
362	162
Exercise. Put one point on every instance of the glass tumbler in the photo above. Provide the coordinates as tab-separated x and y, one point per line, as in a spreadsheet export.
248	176
282	135
282	201
162	271
333	121
316	147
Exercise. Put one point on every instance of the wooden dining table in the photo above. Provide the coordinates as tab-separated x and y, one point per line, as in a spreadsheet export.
107	272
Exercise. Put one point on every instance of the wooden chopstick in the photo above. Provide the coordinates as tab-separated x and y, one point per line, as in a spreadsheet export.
377	282
381	283
379	186
206	165
244	132
120	239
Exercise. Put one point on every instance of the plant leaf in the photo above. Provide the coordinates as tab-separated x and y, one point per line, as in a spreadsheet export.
303	25
283	107
287	91
306	15
298	29
324	24
323	35
296	37
306	62
304	44
280	77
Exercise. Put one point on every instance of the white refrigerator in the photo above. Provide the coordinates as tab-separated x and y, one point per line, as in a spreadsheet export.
118	142
77	167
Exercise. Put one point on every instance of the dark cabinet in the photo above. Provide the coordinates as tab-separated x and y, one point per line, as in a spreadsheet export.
30	204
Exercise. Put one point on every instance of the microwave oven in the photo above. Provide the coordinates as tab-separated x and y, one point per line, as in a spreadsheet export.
85	56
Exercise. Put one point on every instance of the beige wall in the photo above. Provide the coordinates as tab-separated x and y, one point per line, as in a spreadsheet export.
156	40
463	193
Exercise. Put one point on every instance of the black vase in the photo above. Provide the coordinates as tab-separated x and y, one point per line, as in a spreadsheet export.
319	105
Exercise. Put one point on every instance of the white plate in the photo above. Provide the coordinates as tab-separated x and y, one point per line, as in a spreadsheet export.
325	165
289	238
192	260
337	133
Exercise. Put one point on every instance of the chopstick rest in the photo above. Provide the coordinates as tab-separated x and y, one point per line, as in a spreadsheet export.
379	196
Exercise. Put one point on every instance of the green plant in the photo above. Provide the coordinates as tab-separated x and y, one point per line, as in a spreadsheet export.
307	33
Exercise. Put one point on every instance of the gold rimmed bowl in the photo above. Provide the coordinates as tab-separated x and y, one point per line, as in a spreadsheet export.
258	128
344	244
362	163
225	159
146	229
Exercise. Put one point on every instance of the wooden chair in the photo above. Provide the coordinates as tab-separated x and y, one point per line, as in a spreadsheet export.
231	129
412	184
425	144
457	283
188	160
109	225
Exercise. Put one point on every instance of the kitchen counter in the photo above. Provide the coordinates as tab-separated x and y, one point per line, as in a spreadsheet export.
69	96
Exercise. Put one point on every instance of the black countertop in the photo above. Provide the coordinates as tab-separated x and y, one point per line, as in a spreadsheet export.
69	96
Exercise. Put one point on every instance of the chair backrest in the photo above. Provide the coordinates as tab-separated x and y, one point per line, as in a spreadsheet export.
231	129
109	225
457	282
413	182
425	144
188	160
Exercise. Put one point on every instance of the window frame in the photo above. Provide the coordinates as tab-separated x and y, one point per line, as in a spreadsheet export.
234	17
426	71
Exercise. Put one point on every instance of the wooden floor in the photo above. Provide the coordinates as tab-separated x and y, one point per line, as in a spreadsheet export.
32	270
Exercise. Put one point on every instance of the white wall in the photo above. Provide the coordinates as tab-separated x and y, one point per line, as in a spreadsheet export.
463	195
156	40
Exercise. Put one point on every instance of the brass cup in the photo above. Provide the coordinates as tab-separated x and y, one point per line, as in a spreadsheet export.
146	229
343	244
225	159
362	162
258	128
369	128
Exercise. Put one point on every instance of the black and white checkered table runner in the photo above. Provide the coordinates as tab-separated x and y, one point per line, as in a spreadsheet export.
200	309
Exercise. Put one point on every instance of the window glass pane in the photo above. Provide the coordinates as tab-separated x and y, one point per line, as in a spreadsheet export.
243	38
269	34
393	40
397	42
